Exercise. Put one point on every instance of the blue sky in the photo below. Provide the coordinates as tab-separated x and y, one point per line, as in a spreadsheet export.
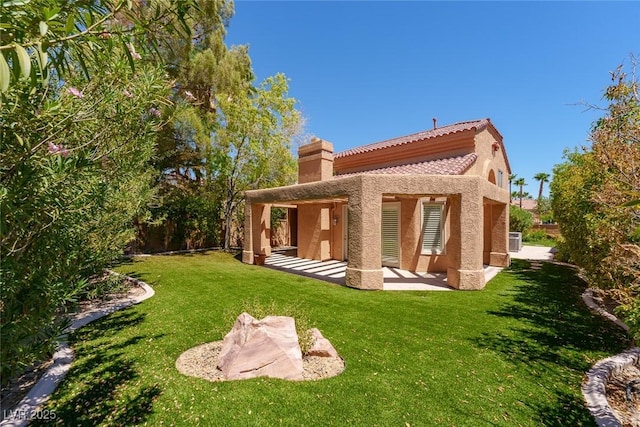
365	71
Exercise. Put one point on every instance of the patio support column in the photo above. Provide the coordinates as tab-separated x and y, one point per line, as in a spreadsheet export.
467	271
261	229
247	247
364	267
499	255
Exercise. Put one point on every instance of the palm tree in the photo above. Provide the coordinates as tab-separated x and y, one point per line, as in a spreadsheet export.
542	177
521	183
511	178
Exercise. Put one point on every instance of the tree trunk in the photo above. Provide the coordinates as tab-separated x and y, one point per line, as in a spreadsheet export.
521	196
227	232
541	186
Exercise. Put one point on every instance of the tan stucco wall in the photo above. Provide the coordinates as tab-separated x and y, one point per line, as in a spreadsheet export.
489	159
315	161
314	232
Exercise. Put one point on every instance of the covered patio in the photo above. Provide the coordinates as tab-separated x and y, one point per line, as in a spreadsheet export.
347	216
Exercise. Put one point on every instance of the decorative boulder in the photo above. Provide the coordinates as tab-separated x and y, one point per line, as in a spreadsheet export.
321	346
261	348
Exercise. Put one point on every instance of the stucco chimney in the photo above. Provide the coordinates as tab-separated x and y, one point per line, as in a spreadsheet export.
315	161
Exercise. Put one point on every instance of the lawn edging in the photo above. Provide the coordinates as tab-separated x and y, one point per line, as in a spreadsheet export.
594	388
587	297
28	408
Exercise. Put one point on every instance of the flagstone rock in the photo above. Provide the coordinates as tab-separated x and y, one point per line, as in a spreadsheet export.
321	346
261	348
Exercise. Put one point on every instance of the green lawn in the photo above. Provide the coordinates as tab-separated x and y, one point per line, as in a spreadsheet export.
543	241
512	354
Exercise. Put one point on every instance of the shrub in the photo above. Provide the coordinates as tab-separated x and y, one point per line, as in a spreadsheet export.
519	219
72	182
593	194
533	235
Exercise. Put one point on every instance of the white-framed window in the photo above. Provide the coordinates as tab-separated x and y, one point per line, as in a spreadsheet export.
500	178
432	227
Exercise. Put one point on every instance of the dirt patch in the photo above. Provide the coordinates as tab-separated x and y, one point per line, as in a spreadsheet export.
201	362
623	394
17	389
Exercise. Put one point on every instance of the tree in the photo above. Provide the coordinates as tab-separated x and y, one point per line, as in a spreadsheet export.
255	130
186	162
512	178
520	182
542	177
593	199
218	144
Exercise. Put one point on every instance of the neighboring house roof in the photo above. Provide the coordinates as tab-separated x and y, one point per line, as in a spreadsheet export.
420	136
527	204
451	166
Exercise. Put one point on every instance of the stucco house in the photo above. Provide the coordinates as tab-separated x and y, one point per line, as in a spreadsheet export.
435	201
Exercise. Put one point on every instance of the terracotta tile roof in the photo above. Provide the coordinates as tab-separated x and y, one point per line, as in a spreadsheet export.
527	204
427	134
451	166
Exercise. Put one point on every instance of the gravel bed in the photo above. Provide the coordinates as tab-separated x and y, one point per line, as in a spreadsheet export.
201	362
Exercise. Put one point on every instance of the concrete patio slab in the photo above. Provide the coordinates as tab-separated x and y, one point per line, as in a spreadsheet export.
395	279
541	253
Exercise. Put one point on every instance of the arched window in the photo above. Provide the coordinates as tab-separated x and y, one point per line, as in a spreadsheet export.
492	176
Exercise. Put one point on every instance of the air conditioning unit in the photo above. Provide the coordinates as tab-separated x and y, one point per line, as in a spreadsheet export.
515	242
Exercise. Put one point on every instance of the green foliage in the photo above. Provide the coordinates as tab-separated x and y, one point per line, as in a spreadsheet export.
539	238
190	217
573	183
593	196
224	135
74	174
255	128
277	215
534	235
103	285
544	210
520	220
40	35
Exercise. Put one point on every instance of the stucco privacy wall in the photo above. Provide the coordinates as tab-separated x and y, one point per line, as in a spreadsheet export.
466	195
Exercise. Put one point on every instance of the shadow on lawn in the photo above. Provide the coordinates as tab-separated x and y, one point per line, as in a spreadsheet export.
108	393
560	338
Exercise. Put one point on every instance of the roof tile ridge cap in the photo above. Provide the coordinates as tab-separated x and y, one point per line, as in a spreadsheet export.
370	147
